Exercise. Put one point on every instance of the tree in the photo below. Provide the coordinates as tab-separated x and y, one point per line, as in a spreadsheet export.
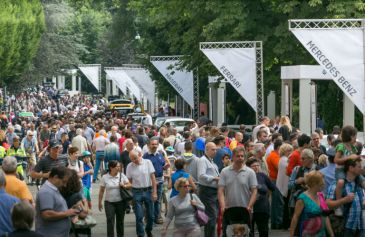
177	27
21	26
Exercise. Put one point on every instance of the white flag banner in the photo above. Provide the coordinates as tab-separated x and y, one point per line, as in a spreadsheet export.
181	80
123	81
341	54
92	73
113	75
238	66
143	79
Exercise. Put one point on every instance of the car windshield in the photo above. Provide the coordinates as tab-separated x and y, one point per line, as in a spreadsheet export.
179	123
160	121
120	102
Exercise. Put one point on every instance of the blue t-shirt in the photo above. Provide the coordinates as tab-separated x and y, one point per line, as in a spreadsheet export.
158	162
86	180
178	174
200	144
6	204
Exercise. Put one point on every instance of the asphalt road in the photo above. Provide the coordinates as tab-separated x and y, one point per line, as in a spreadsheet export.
129	222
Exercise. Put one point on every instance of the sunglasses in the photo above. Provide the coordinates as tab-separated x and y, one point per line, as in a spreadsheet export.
185	186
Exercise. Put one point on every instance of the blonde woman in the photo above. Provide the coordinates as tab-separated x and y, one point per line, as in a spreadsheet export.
285	128
182	207
311	208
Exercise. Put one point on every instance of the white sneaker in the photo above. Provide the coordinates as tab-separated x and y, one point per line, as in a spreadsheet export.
338	212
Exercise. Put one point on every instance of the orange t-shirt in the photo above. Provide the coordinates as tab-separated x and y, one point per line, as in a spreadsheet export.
272	162
17	188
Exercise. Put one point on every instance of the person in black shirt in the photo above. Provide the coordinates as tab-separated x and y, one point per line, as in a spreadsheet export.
53	159
261	209
124	156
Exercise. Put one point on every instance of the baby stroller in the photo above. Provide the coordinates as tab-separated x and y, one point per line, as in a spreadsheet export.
237	220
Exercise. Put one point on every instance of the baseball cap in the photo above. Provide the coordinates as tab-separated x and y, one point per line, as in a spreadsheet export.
54	143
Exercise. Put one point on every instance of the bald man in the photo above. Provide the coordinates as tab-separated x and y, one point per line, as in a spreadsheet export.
208	177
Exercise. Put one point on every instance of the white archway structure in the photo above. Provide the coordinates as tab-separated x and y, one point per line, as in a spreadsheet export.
307	95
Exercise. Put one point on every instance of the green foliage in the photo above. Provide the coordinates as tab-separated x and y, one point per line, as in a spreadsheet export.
177	27
21	26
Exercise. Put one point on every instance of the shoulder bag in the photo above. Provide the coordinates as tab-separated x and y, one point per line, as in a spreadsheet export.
200	215
124	193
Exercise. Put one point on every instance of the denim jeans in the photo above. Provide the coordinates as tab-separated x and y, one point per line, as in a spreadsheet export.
115	210
143	197
157	203
99	158
354	233
209	198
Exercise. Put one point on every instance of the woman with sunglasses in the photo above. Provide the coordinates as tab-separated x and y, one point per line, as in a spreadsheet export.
182	207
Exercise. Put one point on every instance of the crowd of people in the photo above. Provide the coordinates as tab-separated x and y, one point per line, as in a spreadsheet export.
273	177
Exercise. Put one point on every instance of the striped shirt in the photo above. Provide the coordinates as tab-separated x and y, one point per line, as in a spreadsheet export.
47	163
352	211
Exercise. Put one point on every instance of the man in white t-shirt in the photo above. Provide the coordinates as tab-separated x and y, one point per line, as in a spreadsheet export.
141	175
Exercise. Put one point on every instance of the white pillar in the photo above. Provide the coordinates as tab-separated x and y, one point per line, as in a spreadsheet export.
73	79
348	111
286	98
305	105
271	98
221	103
79	79
54	81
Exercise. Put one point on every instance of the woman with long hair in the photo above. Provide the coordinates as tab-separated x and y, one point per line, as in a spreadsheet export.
285	128
115	207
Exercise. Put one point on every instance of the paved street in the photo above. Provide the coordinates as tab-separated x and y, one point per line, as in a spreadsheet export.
129	222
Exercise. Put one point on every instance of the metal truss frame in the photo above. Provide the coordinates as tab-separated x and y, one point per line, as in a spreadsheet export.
94	65
260	105
133	66
326	24
196	109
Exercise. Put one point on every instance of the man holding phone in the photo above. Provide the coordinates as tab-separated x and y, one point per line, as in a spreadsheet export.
160	163
52	213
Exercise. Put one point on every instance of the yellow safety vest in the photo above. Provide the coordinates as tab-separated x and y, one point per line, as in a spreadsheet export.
2	152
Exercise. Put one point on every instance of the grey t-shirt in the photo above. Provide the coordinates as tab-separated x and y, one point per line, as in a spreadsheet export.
49	198
237	185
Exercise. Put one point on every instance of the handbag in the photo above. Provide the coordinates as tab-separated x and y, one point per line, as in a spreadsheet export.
88	222
125	194
200	215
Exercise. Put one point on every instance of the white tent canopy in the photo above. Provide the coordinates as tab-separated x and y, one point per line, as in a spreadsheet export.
123	81
92	73
181	79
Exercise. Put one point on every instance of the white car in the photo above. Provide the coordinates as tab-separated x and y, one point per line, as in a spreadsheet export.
178	123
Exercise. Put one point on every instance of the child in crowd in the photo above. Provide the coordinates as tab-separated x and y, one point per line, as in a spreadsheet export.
226	160
345	151
87	178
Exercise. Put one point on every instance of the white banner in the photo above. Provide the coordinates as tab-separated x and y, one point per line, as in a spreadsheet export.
123	81
143	79
92	72
238	66
182	81
341	54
